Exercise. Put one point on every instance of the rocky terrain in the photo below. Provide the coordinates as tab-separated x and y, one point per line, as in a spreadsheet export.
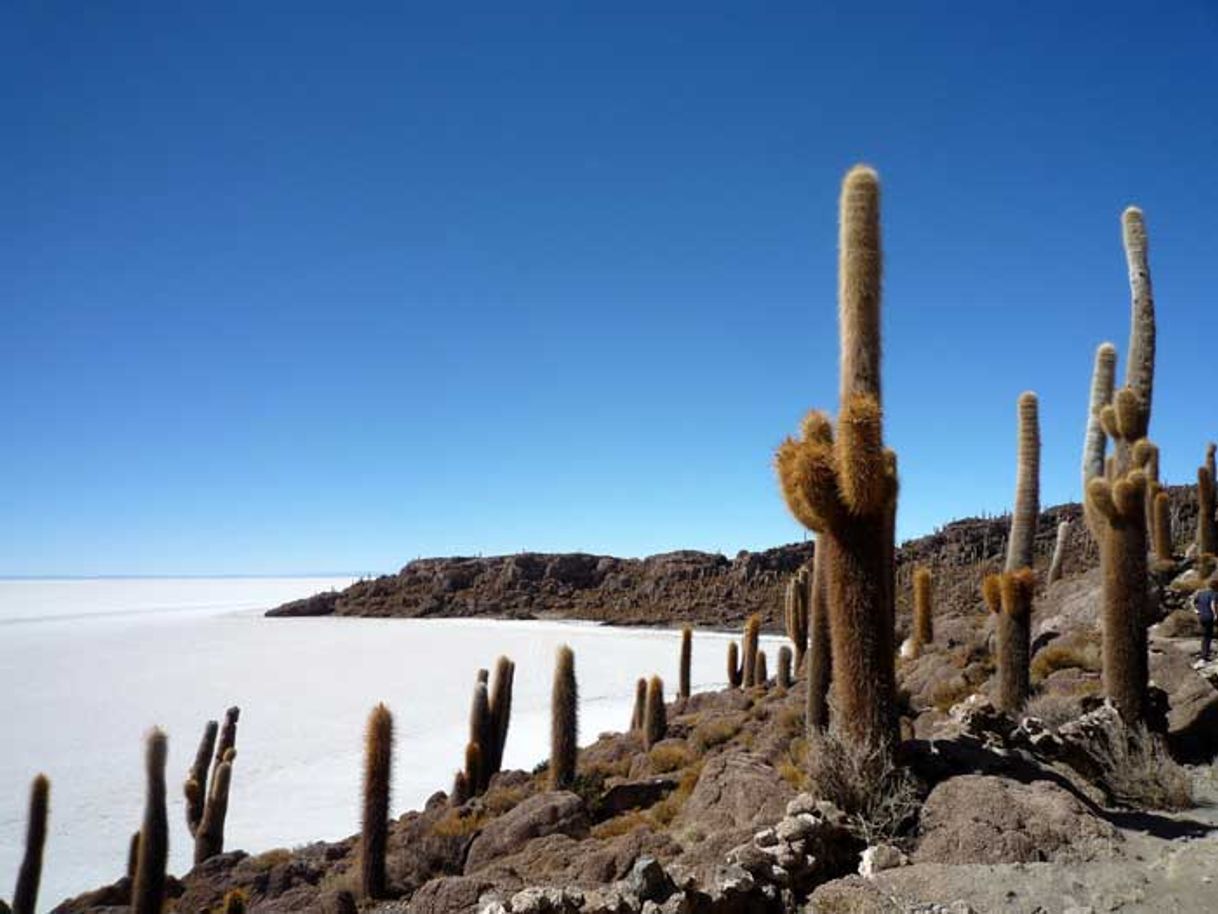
734	812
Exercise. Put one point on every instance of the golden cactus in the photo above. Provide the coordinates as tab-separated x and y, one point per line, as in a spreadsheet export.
1059	551
374	834
923	611
819	662
686	659
1009	597
564	721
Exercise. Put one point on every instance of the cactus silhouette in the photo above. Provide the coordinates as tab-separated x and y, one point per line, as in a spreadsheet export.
374	829
843	485
687	647
133	855
481	734
1059	551
655	720
923	612
196	779
819	655
796	612
148	891
501	711
25	896
640	705
784	667
760	673
564	721
735	674
748	647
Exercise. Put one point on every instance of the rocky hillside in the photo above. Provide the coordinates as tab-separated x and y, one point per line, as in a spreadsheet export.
705	589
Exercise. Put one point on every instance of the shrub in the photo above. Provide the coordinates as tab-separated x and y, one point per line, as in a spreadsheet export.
621	825
1053	708
950	693
669	757
1137	771
1081	655
715	732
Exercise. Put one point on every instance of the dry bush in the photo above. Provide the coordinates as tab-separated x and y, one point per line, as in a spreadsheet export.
1081	655
791	721
455	825
1136	770
621	825
669	757
880	798
503	799
1054	708
666	810
715	732
950	693
1182	623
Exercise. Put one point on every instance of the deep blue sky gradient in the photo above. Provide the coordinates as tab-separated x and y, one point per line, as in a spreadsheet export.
287	288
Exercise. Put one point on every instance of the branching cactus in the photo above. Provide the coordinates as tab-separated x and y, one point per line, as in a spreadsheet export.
784	667
735	675
1009	597
25	896
687	648
796	612
148	891
564	721
1207	530
923	610
1059	551
1095	445
374	834
819	654
196	797
843	485
655	720
640	704
748	647
209	836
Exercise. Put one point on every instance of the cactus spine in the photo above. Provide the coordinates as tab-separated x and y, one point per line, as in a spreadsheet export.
923	611
564	721
687	648
844	485
655	720
748	647
819	655
374	833
1207	530
148	891
640	705
784	667
25	896
1059	551
796	612
735	675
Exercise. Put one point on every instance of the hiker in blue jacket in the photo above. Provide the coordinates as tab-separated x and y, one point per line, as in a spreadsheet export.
1206	604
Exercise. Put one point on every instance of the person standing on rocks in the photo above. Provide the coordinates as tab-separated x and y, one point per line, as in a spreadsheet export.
1206	604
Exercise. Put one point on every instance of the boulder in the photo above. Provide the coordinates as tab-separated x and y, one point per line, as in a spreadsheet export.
984	819
736	790
557	812
449	893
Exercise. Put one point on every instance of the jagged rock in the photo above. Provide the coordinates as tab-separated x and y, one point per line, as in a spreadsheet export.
1192	718
557	812
880	857
648	881
448	893
984	819
736	790
623	795
547	900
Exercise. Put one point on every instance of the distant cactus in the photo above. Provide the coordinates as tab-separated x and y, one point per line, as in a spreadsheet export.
923	611
196	779
796	612
844	485
207	800
784	667
1009	597
819	661
148	891
748	647
460	791
374	830
209	836
761	674
481	734
1207	530
655	720
687	647
501	711
25	896
735	675
564	721
1161	527
1059	551
640	705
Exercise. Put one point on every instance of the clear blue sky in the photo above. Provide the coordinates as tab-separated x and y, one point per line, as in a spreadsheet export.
291	289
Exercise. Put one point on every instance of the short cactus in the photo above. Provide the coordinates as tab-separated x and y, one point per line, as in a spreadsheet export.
760	673
748	647
655	719
784	667
687	647
481	734
25	896
1103	378
133	855
1009	597
374	829
148	890
640	705
472	775
1207	529
923	611
1161	527
735	674
564	721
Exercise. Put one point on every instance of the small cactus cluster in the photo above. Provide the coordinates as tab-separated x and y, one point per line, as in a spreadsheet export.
490	716
207	801
795	612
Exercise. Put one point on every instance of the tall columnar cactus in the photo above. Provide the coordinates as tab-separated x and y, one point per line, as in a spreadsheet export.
564	721
1020	546
923	611
844	485
1009	597
819	661
796	612
133	856
481	734
1210	450
1059	551
687	648
501	711
1095	444
1161	528
640	705
735	674
209	836
378	773
25	896
761	675
196	779
784	667
1207	530
148	890
1140	368
748	647
655	720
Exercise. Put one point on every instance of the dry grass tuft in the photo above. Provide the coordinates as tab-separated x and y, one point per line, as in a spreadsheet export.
881	798
1048	660
1137	771
715	732
669	757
